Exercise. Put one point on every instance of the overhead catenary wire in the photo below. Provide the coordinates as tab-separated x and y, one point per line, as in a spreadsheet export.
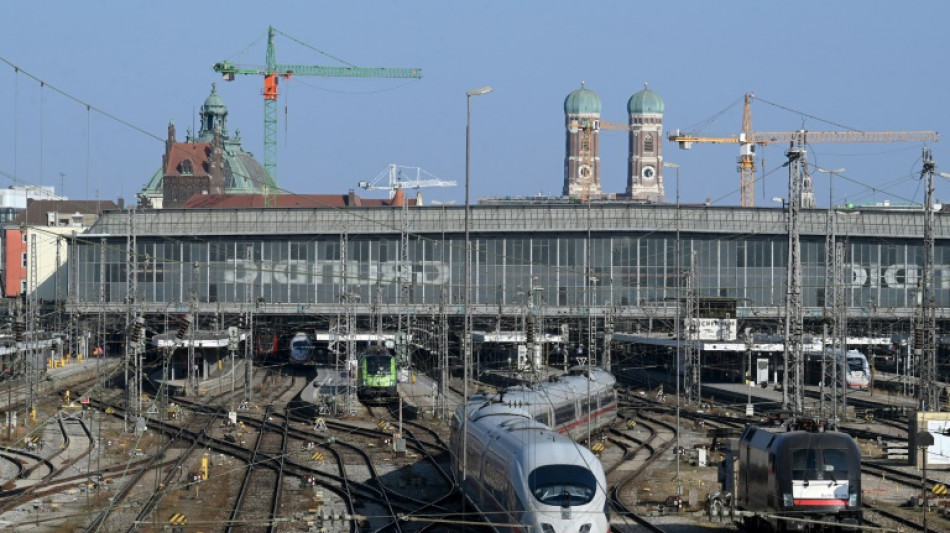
318	203
490	252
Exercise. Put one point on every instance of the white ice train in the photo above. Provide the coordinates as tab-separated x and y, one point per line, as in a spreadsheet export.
301	349
522	472
858	371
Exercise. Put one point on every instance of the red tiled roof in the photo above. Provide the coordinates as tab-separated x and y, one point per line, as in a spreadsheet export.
247	201
197	152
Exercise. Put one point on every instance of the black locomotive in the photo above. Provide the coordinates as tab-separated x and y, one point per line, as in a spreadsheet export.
798	480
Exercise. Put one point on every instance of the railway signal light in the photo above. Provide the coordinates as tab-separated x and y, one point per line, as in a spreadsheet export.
137	328
18	330
529	331
183	328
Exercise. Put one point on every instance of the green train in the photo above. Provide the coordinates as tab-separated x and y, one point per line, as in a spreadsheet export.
377	377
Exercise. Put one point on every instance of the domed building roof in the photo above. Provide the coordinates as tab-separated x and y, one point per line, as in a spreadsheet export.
213	101
241	172
645	101
582	101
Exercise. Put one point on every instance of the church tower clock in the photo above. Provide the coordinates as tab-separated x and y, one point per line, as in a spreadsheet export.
645	167
582	160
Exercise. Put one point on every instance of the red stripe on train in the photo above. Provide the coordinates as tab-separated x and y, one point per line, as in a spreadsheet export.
821	502
596	414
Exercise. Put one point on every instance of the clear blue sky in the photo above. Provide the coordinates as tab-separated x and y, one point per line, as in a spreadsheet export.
866	65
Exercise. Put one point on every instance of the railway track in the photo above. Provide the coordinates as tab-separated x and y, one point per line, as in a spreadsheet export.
196	425
643	454
258	502
889	520
45	475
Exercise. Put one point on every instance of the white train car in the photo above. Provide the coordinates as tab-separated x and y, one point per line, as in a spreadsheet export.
858	370
856	367
526	475
583	399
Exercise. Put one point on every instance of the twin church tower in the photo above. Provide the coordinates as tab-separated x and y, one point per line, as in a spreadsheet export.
582	161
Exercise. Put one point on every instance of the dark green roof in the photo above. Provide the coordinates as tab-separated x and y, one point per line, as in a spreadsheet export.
582	101
645	101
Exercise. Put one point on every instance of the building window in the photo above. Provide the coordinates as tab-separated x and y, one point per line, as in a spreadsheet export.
648	143
23	259
24	237
187	167
23	286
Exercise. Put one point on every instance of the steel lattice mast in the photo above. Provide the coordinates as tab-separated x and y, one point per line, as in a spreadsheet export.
838	369
794	322
928	393
693	356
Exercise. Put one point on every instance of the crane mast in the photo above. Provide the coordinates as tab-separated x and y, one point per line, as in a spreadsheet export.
747	157
272	71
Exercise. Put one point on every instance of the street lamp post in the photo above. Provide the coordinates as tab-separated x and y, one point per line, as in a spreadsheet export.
466	327
831	178
668	164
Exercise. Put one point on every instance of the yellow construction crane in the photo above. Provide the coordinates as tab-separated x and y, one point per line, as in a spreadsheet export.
749	139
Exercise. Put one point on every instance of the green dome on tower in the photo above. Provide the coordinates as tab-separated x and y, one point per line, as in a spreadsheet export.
213	101
645	101
582	101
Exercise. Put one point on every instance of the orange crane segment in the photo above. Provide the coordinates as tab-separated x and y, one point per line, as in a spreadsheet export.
270	87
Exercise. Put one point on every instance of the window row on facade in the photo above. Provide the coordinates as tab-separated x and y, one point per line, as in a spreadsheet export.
574	271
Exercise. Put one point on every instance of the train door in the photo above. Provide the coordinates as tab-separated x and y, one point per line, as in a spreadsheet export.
762	371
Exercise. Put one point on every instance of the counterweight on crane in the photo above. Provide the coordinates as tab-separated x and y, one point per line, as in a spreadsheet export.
273	70
748	140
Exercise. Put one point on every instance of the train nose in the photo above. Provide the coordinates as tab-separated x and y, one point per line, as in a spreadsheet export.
548	528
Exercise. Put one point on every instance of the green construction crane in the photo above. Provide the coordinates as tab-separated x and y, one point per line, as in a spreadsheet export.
273	70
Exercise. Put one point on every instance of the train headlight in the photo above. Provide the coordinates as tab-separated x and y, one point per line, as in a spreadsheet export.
547	528
787	500
853	500
584	529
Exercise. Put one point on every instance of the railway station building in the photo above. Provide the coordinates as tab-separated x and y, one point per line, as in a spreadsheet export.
582	265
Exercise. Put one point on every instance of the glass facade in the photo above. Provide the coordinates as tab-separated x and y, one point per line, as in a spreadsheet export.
576	271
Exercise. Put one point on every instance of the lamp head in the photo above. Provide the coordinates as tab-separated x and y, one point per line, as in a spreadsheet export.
481	90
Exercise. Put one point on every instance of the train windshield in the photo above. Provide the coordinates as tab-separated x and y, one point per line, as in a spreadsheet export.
835	462
855	364
812	465
562	485
378	364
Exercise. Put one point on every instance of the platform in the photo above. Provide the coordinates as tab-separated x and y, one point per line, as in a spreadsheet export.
328	392
88	367
770	398
212	382
421	399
